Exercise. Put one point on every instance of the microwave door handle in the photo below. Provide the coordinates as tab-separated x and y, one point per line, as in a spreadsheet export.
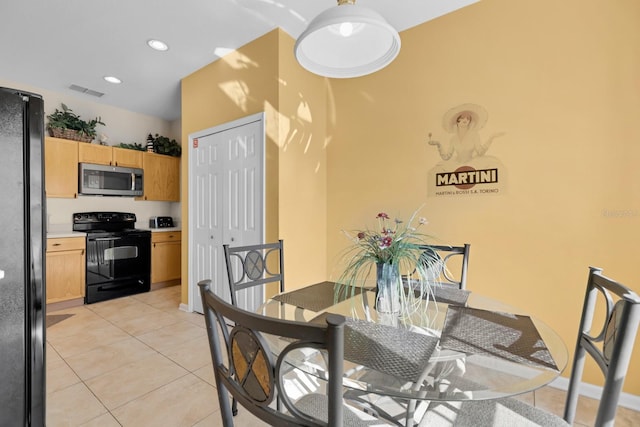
133	181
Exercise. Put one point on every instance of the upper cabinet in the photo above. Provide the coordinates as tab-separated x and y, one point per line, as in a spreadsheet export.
161	177
61	167
111	156
127	158
94	153
161	172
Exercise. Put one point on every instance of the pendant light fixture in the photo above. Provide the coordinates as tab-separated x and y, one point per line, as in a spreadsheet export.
347	41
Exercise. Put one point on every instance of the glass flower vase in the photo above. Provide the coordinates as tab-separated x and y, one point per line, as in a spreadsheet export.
388	286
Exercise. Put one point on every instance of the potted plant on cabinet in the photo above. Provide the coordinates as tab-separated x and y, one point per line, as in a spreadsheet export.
163	145
132	146
66	124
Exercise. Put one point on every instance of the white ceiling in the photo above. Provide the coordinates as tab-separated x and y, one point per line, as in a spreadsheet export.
53	44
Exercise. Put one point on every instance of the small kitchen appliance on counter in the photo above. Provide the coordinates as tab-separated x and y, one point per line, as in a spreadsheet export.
161	222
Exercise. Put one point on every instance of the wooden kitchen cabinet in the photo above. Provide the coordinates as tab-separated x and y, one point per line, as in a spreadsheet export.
110	156
161	172
65	266
61	167
127	158
165	255
95	153
161	177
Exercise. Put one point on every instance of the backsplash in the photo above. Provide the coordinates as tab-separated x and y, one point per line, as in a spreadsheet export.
60	211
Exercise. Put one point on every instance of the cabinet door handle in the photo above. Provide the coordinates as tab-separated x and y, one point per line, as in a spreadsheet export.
56	244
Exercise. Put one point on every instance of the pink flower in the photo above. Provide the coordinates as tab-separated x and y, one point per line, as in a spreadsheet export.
385	242
382	215
361	235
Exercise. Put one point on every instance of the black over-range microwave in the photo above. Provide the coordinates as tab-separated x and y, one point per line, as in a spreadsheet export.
103	180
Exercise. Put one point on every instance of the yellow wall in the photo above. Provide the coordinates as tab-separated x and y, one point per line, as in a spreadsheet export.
256	78
561	80
303	170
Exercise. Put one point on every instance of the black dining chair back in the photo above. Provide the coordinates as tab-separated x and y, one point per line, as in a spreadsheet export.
253	376
610	345
450	262
254	265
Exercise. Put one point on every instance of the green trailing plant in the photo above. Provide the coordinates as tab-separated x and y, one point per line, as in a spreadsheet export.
164	145
67	119
132	146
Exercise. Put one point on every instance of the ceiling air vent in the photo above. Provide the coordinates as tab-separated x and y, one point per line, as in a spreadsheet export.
86	90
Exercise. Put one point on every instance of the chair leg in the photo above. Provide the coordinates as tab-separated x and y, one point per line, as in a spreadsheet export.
234	407
223	399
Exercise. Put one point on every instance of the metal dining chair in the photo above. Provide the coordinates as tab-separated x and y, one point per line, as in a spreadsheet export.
609	344
254	265
454	258
447	267
251	266
255	378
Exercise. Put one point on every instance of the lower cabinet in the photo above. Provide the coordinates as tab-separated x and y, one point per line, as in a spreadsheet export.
165	255
65	266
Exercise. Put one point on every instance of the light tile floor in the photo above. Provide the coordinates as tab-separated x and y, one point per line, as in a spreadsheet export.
140	361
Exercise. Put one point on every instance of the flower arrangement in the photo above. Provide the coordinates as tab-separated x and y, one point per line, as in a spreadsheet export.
390	243
394	247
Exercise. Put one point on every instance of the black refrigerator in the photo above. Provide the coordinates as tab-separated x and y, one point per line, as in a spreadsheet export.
22	251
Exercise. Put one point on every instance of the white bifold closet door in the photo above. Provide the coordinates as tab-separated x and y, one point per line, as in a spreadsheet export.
226	203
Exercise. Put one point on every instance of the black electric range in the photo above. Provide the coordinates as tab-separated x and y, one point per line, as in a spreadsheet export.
118	256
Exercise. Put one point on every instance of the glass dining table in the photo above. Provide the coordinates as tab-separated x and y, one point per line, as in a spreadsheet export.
457	345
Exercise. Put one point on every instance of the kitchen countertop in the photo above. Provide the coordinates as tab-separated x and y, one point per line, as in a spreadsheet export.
156	230
57	235
55	231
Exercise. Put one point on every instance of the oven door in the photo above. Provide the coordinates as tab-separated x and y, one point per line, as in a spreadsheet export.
118	264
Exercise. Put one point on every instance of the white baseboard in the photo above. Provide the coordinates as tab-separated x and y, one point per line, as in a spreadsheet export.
627	400
184	307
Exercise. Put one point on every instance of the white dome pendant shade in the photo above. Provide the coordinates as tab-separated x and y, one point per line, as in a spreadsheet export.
347	41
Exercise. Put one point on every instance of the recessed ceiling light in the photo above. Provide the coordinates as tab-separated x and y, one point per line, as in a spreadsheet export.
112	79
157	45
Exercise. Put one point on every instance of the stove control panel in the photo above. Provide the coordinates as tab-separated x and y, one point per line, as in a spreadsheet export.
113	221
